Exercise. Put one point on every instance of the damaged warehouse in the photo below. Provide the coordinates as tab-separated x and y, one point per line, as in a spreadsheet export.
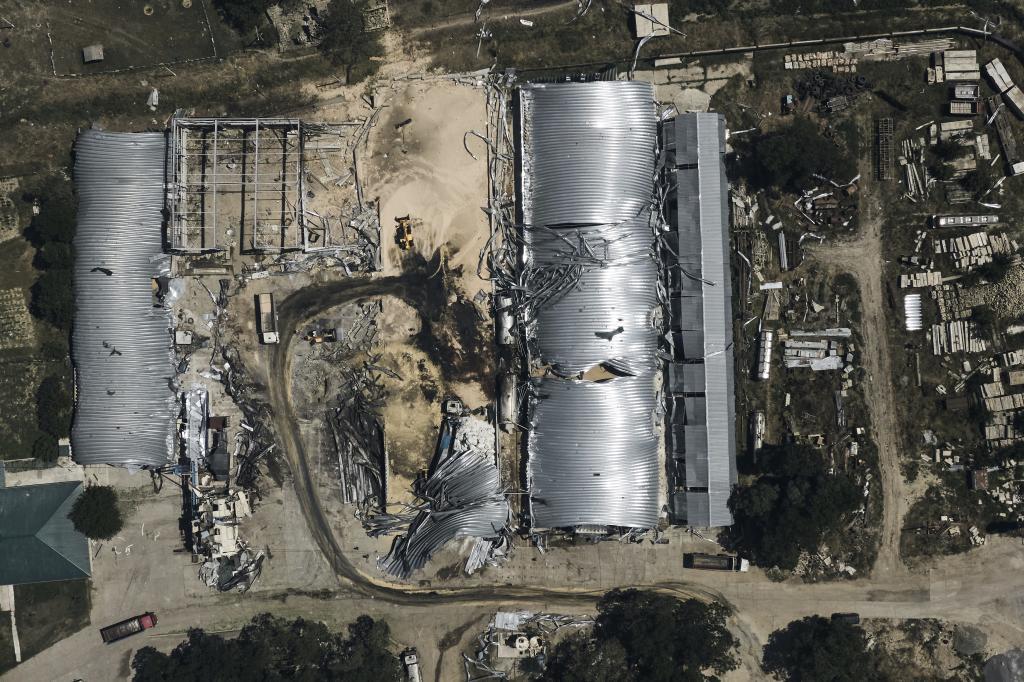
588	155
121	344
599	227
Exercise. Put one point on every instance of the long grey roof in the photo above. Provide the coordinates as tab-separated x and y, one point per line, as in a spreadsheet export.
701	212
593	453
587	201
121	345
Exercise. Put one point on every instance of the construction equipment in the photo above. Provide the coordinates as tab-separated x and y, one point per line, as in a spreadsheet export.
404	233
316	336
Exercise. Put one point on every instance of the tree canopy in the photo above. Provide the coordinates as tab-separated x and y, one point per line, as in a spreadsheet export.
647	636
791	507
787	158
272	648
54	405
344	40
816	649
95	513
57	208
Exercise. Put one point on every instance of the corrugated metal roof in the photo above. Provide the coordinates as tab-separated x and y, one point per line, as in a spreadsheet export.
121	344
702	195
593	453
588	153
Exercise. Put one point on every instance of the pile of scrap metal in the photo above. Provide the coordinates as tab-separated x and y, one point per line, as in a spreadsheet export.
256	441
462	497
512	636
229	563
358	435
833	92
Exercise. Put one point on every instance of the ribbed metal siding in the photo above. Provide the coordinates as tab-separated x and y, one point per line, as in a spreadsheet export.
121	345
588	167
703	210
588	151
593	453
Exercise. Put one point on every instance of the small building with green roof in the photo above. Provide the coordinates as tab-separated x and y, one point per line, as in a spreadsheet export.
38	542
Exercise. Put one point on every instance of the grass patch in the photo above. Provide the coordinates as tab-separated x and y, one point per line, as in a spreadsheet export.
49	612
7	661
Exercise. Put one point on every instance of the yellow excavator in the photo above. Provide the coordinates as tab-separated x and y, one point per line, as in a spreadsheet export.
404	232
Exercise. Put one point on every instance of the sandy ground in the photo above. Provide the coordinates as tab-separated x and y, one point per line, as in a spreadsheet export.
423	170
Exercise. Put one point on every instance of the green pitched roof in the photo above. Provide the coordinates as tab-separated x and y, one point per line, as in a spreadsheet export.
38	542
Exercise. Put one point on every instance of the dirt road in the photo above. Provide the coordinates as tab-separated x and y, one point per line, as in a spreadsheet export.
493	15
862	258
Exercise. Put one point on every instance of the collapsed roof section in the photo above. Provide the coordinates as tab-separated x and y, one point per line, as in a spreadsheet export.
701	378
593	453
121	344
463	498
587	196
588	155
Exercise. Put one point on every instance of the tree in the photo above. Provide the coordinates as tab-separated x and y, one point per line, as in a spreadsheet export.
53	300
819	650
271	648
54	405
45	448
647	636
948	150
580	658
996	269
787	158
791	507
55	256
95	513
665	638
345	41
243	15
57	208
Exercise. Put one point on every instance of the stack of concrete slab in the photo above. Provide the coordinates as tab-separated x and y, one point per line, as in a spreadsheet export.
920	279
956	337
960	65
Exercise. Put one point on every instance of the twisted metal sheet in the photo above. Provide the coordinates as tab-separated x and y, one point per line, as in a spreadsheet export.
125	408
464	500
589	152
593	453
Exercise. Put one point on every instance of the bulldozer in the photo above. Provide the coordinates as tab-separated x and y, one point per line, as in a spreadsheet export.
403	235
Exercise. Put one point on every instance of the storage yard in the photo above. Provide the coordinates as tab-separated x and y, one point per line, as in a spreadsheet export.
497	334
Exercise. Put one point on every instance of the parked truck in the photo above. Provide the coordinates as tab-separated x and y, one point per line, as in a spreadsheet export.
411	664
266	317
715	562
127	628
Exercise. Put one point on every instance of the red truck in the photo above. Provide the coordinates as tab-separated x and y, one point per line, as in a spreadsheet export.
127	628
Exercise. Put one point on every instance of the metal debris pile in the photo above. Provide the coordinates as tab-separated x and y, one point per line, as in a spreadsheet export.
462	497
230	563
512	636
256	440
358	435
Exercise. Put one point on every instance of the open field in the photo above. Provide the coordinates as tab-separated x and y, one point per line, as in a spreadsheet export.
50	612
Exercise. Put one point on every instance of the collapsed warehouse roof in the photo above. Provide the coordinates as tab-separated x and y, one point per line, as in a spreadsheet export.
701	378
587	196
463	497
121	344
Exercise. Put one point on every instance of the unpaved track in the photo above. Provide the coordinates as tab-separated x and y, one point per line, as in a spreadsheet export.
862	258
